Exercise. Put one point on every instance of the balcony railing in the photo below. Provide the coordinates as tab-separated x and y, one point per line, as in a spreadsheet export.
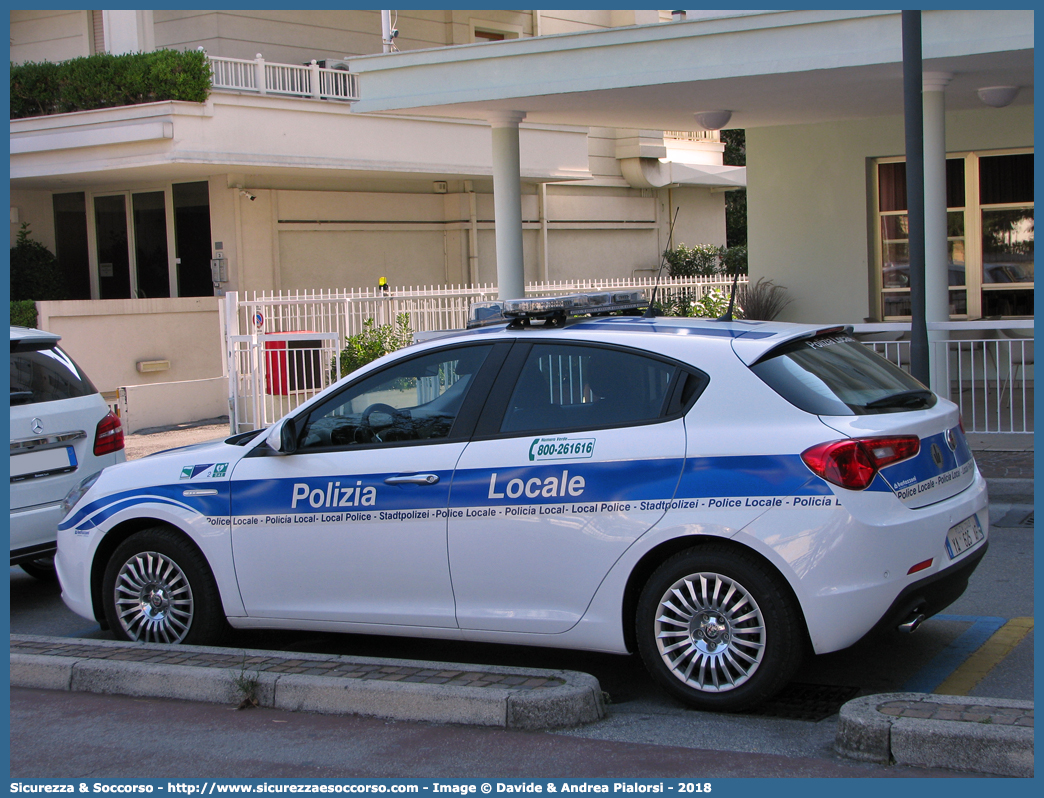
290	80
692	135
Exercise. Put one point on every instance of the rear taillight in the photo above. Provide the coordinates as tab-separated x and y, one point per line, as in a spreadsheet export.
109	436
854	463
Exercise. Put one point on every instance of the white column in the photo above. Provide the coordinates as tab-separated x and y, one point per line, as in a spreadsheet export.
936	249
128	31
507	204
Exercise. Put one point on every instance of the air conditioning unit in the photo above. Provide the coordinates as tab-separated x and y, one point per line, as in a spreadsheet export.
331	63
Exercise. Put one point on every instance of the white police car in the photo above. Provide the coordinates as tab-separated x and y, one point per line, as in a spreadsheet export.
720	496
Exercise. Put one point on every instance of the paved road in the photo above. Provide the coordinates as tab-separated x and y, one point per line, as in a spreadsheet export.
112	736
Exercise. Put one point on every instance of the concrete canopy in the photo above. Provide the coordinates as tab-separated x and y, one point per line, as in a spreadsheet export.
776	68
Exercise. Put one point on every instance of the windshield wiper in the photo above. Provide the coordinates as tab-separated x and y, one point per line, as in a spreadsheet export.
918	397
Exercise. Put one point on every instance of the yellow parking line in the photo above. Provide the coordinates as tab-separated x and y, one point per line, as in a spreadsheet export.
975	668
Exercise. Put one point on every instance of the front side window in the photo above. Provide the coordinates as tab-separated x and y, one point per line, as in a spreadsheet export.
563	387
989	201
413	400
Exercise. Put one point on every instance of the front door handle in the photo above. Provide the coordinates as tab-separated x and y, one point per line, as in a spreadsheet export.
413	479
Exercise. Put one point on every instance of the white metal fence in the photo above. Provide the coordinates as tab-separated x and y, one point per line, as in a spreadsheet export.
283	348
986	366
295	80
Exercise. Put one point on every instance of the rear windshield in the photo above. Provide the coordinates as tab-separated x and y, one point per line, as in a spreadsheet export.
835	375
45	375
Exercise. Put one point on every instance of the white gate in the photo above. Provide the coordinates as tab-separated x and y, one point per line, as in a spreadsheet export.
282	349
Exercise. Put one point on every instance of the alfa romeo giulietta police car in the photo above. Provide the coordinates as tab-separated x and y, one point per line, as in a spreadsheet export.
722	496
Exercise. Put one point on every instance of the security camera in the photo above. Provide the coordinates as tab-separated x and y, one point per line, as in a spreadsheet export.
247	194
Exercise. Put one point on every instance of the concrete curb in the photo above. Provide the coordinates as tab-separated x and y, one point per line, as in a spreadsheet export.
576	700
867	734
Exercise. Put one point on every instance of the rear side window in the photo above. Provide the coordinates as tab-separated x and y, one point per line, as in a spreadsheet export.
46	375
835	375
564	387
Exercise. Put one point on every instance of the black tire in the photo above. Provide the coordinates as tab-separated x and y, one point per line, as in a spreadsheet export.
41	568
711	653
165	589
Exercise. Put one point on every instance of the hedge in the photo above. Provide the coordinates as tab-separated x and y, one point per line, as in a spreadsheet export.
23	313
107	81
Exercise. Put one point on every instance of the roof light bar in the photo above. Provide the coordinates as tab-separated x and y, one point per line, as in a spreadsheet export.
556	308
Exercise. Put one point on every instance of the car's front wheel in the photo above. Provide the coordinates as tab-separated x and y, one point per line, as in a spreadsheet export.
717	629
158	588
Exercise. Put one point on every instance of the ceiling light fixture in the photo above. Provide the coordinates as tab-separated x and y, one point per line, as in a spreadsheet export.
998	96
713	120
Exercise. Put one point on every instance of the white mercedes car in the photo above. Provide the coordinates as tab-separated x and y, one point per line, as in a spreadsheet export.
61	431
722	496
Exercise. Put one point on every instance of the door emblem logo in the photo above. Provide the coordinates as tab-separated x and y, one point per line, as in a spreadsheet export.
937	456
36	425
951	440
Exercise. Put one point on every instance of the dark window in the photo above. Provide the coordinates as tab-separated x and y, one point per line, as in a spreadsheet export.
413	400
70	243
150	244
835	375
192	238
565	387
892	185
45	375
1005	178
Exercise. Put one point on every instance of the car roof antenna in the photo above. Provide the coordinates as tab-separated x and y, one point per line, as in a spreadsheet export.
650	312
732	300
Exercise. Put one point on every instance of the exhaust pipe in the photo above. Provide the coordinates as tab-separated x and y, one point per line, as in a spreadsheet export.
913	620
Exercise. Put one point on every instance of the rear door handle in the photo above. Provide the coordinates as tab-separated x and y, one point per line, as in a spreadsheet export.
413	479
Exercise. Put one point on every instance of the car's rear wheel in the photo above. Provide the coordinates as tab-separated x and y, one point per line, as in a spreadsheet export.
717	629
41	568
158	588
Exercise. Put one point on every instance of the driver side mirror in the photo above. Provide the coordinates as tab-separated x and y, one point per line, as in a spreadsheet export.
283	437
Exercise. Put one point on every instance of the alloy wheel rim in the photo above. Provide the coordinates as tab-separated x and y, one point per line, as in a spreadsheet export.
153	599
710	632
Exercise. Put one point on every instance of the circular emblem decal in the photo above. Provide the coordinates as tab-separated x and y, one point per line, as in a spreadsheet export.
937	455
951	440
36	425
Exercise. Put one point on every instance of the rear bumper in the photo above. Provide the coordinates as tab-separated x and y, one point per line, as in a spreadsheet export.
932	594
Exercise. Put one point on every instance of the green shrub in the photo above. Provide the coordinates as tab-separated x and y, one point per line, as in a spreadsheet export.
35	274
702	259
705	260
23	313
736	260
711	305
106	81
373	342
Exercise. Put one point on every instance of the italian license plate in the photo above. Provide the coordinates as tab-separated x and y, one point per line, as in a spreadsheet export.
41	462
963	536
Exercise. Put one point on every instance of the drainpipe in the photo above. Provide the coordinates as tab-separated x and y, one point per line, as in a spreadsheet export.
545	268
469	186
387	34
